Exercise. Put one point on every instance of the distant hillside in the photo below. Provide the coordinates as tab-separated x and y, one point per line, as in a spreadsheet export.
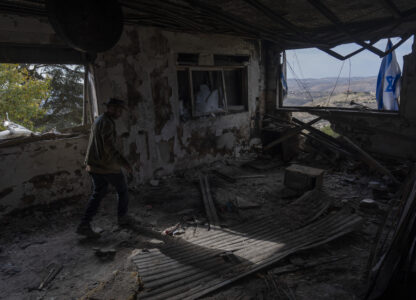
300	92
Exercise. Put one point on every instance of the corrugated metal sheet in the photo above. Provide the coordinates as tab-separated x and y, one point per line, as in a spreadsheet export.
188	269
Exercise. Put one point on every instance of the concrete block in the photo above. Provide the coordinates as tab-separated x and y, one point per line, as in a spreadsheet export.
303	178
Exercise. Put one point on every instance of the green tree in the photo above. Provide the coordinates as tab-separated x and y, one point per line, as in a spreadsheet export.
22	95
65	104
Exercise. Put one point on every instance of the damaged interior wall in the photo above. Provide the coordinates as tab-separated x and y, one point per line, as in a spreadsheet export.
42	172
141	69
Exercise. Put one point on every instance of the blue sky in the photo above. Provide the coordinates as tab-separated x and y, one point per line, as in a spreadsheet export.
313	63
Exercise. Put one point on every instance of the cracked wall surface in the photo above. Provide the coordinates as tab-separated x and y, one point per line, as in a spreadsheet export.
141	69
39	173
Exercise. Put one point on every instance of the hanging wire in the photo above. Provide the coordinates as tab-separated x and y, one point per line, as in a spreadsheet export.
336	83
349	80
301	72
299	66
298	81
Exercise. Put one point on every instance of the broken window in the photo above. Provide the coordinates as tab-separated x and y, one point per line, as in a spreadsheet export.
42	97
206	91
316	79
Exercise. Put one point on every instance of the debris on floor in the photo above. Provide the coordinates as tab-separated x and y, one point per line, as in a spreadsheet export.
121	285
105	254
303	178
196	270
53	270
293	226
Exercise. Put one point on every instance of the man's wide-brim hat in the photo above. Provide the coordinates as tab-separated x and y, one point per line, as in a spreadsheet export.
116	102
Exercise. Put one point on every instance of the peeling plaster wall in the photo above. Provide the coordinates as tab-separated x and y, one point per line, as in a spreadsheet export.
141	69
42	172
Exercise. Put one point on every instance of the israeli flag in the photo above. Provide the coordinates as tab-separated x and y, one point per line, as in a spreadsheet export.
388	82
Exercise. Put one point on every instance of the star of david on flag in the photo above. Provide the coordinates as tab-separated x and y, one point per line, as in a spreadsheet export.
388	82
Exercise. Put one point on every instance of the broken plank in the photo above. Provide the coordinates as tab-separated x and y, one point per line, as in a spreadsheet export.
309	264
330	146
55	269
204	199
325	139
316	131
208	202
398	253
369	160
291	132
211	203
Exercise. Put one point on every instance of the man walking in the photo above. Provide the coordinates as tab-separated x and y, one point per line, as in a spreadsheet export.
104	162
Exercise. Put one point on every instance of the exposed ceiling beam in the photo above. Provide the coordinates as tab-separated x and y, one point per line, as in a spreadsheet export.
280	20
162	12
392	8
232	20
201	16
325	11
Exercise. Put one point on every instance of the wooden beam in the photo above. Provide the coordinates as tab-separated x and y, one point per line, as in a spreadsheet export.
291	132
392	8
208	202
323	138
325	11
280	20
369	160
233	20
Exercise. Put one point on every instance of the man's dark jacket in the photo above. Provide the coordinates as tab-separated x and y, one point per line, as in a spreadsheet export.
102	155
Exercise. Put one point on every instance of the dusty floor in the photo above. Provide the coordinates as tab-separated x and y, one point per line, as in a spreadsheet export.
35	240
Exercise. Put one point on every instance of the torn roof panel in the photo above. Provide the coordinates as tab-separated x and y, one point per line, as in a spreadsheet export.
278	22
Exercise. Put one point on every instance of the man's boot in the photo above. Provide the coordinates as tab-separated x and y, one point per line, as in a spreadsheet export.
86	230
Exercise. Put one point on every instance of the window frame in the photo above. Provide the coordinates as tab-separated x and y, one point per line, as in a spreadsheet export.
324	109
89	106
190	68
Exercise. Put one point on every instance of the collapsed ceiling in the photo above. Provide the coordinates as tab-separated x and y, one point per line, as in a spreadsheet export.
290	24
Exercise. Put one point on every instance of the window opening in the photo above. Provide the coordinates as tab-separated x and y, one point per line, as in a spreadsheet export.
211	90
208	90
42	97
315	79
